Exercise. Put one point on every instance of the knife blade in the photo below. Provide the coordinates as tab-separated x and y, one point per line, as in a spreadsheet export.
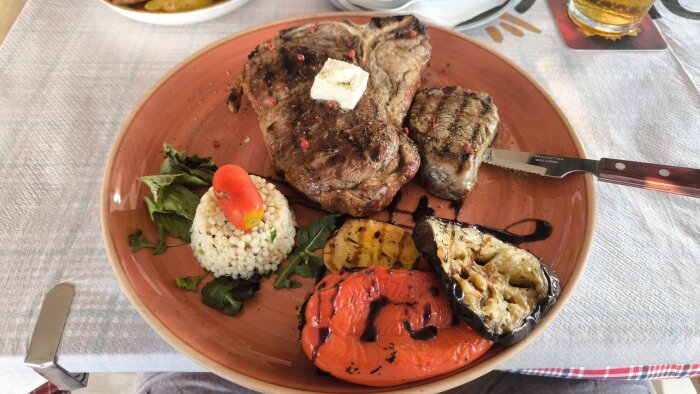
659	177
43	346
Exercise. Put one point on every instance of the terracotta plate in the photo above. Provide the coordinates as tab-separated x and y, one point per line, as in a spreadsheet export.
259	347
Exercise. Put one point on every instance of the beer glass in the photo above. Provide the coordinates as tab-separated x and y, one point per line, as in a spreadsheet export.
609	18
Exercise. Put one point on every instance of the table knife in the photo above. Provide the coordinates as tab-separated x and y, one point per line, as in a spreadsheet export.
659	177
43	346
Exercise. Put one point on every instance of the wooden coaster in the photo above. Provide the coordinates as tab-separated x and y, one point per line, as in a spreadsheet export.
649	38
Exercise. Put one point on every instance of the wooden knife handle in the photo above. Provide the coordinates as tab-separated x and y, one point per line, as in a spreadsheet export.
669	179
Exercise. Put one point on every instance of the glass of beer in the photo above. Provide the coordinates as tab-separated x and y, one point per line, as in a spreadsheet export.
609	18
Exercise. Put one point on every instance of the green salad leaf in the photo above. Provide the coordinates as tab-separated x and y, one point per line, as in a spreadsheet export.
302	260
227	294
137	243
171	221
178	199
190	282
172	204
159	182
200	170
175	224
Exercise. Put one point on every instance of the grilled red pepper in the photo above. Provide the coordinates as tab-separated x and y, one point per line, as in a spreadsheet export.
382	327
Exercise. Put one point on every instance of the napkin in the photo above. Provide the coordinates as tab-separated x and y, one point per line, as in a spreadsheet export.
451	12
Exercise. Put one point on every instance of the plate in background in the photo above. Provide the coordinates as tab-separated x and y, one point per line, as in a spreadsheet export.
176	18
480	20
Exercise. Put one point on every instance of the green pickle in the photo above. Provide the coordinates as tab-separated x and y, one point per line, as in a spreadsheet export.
176	5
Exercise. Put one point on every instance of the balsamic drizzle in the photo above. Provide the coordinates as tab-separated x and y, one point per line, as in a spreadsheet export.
422	210
543	229
370	333
427	312
324	332
391	208
457	206
424	334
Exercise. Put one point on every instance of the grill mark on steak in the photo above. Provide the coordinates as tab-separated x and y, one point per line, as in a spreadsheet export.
474	139
354	161
269	77
459	115
485	105
462	162
452	149
439	109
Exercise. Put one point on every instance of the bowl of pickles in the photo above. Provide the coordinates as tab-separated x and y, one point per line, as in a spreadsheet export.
173	12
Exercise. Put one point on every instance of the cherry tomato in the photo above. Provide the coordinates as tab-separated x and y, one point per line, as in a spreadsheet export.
238	197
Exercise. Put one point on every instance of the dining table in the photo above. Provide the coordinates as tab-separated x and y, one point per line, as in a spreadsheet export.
71	71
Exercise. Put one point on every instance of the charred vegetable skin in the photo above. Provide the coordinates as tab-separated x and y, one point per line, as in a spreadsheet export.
382	327
499	289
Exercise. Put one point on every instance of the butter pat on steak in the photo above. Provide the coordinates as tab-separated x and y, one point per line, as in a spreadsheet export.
341	82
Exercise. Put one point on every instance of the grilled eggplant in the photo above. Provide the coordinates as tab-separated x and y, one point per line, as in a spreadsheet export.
499	289
366	242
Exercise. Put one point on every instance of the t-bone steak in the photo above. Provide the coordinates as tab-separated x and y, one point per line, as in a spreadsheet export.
354	161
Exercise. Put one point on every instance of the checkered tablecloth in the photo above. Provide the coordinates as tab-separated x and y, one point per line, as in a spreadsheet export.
646	372
71	71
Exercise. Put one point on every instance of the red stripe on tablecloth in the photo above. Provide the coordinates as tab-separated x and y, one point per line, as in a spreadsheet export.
665	371
48	388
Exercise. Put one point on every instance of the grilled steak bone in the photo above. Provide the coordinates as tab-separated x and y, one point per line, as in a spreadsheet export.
355	161
452	128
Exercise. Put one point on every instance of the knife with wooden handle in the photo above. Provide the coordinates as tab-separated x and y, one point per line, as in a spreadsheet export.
659	177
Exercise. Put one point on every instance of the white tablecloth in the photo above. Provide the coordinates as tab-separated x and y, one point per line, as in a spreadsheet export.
71	70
